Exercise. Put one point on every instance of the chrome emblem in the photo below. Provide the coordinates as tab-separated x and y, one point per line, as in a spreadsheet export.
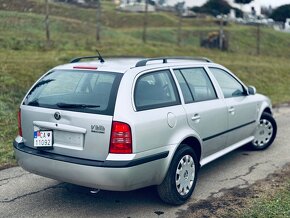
57	115
98	128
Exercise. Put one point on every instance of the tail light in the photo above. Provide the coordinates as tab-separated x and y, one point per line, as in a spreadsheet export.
121	138
19	123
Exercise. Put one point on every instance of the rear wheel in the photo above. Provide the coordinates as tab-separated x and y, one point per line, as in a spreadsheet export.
265	132
180	179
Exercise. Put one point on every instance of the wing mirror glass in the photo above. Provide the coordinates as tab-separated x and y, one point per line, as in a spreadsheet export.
252	90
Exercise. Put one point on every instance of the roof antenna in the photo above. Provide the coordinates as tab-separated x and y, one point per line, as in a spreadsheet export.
100	57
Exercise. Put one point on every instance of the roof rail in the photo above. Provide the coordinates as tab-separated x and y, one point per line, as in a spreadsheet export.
75	60
165	60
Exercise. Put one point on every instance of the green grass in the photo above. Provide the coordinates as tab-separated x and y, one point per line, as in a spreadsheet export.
270	206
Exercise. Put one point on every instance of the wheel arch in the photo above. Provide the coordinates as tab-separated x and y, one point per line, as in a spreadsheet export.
191	141
265	106
267	110
194	143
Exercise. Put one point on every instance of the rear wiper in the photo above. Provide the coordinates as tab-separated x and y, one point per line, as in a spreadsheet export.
67	105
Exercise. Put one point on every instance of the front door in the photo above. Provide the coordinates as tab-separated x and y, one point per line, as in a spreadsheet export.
242	108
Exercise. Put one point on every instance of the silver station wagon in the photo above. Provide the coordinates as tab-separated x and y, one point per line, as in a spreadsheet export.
127	123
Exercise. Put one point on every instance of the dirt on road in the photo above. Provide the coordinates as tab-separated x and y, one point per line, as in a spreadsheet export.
234	200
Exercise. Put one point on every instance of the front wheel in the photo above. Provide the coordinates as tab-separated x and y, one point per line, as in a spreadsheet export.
180	179
265	132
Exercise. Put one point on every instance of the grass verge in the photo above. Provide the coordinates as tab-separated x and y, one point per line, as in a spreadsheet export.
277	205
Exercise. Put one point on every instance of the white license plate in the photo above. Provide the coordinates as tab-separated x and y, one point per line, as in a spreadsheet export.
42	139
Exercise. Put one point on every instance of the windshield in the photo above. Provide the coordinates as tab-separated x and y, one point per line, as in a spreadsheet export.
83	91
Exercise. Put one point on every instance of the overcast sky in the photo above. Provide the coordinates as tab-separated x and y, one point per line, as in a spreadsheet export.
255	3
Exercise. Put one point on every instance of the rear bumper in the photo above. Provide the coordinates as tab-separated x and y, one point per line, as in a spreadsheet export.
107	175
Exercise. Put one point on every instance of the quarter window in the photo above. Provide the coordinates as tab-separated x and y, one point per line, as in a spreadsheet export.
229	85
195	84
154	90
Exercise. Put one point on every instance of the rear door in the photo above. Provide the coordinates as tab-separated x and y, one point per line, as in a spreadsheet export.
76	107
206	113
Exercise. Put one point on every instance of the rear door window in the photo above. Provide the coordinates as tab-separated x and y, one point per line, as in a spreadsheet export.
155	90
195	84
83	91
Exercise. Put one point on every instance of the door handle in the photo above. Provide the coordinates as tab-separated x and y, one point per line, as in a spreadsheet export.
231	110
195	117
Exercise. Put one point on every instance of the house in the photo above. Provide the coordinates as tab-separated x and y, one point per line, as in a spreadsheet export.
287	25
135	6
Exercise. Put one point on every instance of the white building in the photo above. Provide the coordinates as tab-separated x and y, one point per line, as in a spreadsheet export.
135	6
287	25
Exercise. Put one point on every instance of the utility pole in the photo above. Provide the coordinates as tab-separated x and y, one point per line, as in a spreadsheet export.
144	36
47	30
179	9
221	35
258	38
179	28
98	21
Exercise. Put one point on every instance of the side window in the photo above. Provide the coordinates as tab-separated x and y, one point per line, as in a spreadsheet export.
154	90
229	85
195	84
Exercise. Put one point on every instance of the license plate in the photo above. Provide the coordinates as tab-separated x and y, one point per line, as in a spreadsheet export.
43	139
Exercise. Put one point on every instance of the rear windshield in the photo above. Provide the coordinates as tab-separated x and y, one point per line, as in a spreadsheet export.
82	91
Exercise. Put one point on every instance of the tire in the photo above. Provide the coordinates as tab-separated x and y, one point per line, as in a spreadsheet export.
181	177
265	132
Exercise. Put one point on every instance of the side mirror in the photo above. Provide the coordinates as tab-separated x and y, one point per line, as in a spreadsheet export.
252	90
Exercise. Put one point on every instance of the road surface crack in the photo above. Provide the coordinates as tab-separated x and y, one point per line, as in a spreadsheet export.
250	170
31	193
6	182
246	183
14	177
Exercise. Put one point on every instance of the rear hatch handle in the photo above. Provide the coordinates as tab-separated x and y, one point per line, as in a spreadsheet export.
58	126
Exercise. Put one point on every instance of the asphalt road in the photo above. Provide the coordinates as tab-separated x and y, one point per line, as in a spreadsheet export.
23	194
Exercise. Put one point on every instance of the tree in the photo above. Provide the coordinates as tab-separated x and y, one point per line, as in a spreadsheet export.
243	2
281	13
214	7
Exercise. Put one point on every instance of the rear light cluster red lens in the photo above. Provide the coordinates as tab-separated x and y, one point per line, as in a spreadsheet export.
121	138
19	123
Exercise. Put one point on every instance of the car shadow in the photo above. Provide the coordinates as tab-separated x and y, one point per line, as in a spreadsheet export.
146	195
142	202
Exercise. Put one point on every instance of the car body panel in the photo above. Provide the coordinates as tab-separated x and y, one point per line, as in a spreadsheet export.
156	133
200	115
91	144
242	113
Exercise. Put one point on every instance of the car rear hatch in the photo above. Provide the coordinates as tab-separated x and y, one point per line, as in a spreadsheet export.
70	113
